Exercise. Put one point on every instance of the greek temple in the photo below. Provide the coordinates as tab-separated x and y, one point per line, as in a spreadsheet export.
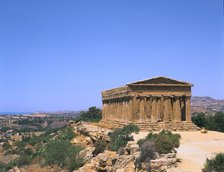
152	104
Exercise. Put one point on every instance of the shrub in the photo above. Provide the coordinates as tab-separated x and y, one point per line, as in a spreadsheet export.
164	142
6	145
128	129
216	164
66	134
147	151
2	167
120	136
23	160
100	146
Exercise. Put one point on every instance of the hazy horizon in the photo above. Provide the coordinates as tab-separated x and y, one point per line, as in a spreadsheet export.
57	55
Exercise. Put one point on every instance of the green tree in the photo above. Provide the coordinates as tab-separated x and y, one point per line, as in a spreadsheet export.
62	154
93	114
199	120
216	122
210	122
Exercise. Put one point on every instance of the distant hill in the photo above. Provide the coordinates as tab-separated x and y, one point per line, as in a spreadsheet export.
206	105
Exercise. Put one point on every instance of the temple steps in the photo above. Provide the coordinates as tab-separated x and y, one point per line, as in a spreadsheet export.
155	126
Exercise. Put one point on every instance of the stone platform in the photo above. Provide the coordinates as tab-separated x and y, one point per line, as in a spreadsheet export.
153	126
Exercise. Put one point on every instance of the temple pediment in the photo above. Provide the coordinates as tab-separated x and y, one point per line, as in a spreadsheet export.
160	81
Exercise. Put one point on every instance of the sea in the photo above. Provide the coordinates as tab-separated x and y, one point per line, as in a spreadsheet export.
15	113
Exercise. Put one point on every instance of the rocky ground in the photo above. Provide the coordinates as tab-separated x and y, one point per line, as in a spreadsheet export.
110	161
195	147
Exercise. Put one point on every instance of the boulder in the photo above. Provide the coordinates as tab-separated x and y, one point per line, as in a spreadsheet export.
134	148
203	130
88	140
170	155
87	154
131	148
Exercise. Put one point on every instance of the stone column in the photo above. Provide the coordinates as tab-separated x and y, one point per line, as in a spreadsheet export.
112	113
134	108
158	108
103	111
120	115
167	109
114	108
177	110
153	116
142	110
137	112
126	111
162	108
108	110
188	109
130	110
148	108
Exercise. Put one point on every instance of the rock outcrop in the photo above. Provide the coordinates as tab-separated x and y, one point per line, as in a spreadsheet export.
110	161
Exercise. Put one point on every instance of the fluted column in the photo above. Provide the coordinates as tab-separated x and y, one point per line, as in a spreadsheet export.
177	110
108	110
188	109
120	115
134	111
148	108
158	108
167	109
153	116
137	113
126	111
130	110
103	111
142	110
114	108
162	108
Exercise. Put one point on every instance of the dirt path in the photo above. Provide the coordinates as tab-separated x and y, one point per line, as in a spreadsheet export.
194	148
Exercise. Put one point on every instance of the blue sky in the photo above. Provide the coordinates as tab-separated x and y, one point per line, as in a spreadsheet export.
60	55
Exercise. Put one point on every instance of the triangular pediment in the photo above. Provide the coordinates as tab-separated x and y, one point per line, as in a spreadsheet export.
160	81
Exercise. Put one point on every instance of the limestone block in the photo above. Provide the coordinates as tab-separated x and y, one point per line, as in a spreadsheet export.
120	170
134	148
88	140
203	130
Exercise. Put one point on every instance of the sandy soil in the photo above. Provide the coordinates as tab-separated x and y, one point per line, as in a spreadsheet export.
195	147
